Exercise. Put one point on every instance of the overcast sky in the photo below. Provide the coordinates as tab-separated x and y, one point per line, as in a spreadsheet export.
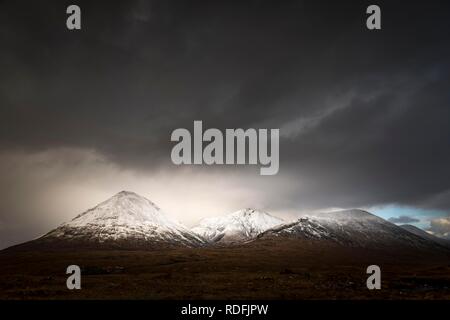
364	116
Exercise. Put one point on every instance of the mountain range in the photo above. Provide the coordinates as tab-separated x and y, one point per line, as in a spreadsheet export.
130	221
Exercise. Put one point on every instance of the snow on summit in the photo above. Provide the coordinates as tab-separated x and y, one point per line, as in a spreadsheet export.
124	217
238	226
126	209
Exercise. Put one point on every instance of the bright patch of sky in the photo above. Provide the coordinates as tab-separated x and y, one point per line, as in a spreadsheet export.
394	211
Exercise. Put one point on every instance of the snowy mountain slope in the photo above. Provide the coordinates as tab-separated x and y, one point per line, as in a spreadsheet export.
238	226
422	233
350	228
125	218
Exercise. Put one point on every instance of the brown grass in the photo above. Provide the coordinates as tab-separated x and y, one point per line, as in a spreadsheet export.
261	270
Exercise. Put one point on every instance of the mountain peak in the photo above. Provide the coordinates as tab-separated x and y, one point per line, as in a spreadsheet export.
125	205
247	212
125	216
131	198
241	225
126	193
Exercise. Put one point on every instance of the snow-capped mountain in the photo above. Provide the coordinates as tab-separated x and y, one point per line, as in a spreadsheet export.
128	220
124	219
238	226
349	228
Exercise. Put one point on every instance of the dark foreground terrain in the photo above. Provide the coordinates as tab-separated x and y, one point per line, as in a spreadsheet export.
261	270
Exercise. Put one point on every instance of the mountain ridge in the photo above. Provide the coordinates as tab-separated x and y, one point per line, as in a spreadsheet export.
354	228
422	233
130	221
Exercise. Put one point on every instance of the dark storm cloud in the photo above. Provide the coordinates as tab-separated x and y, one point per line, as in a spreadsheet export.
403	219
364	116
